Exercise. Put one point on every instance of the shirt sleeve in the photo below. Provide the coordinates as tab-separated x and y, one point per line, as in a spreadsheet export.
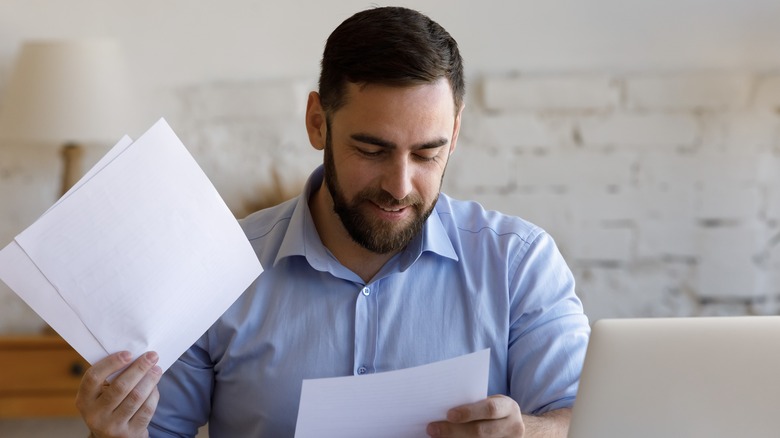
548	332
185	395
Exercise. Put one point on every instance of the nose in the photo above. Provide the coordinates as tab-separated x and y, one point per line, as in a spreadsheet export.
397	178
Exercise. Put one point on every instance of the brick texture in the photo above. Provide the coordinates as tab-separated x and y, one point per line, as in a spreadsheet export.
550	92
688	92
662	190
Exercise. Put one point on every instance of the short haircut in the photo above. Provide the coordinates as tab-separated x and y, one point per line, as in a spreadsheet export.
390	46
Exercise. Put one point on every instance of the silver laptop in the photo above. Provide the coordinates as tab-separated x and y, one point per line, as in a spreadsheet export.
680	377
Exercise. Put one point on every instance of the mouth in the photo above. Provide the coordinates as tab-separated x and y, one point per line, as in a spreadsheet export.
391	209
393	212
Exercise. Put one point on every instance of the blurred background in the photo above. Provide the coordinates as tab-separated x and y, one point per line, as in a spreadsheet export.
643	135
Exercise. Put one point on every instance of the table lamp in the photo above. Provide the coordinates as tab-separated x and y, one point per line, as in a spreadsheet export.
67	93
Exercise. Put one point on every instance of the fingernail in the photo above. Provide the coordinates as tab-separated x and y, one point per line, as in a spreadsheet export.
152	357
454	416
125	356
432	430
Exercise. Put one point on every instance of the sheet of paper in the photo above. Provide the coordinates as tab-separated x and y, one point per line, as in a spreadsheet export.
23	277
145	253
394	404
114	152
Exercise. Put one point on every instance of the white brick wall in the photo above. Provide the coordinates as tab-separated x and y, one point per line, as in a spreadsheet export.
720	201
640	130
661	190
649	289
727	268
750	132
275	100
688	92
767	92
602	244
667	239
574	169
468	157
550	92
518	131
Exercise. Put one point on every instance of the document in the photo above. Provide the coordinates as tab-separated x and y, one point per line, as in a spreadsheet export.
22	276
394	404
142	254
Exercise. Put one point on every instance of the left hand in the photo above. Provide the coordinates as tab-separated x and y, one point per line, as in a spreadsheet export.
495	416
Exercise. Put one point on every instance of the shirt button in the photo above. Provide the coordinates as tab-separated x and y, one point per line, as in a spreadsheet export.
366	291
362	370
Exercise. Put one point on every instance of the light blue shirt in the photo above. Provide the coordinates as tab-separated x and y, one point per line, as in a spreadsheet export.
472	279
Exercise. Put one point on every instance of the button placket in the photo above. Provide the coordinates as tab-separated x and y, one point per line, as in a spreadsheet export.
365	330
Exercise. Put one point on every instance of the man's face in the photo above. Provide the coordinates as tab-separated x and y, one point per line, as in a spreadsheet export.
385	155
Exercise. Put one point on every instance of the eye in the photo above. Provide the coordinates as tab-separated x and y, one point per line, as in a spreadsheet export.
370	152
424	158
427	154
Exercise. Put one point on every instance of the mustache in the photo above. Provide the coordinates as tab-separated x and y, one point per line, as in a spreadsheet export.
381	197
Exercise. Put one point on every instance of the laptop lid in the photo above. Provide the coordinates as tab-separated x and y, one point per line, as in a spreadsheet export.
680	377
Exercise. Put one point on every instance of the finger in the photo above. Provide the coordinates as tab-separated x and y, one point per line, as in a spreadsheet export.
92	382
143	416
486	428
491	408
138	395
115	392
439	429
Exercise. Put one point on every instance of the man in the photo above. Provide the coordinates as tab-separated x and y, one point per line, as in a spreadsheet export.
371	269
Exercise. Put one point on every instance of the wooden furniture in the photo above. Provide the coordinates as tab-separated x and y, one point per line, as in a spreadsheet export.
40	376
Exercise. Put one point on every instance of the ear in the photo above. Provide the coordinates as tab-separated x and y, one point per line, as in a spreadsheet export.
456	129
315	121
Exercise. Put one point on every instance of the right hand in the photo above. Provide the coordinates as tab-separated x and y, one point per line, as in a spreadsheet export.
125	406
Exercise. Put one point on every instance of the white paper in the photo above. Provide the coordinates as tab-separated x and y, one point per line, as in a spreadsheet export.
23	277
114	152
394	404
143	251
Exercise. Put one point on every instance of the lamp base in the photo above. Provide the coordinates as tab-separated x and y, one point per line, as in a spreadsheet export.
71	172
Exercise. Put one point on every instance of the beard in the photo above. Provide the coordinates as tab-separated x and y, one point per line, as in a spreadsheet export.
372	233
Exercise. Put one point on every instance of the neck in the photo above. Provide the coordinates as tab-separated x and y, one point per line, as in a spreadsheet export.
336	238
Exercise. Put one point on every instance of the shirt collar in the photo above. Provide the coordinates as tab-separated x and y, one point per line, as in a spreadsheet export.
301	238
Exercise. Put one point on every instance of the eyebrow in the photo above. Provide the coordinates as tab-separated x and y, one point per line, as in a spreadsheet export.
376	141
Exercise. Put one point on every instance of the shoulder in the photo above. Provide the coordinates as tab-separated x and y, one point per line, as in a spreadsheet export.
264	222
465	218
265	229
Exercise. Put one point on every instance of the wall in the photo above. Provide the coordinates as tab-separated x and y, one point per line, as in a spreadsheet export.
643	136
661	189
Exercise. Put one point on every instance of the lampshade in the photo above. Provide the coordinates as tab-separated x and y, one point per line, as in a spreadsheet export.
63	91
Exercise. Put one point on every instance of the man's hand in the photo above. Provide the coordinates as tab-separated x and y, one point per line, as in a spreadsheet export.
124	407
500	416
495	416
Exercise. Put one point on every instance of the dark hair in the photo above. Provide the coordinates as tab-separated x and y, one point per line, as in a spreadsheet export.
389	46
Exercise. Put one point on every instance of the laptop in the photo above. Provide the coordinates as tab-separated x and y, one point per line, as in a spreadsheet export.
680	377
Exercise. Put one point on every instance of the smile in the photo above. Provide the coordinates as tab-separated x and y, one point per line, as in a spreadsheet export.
392	210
